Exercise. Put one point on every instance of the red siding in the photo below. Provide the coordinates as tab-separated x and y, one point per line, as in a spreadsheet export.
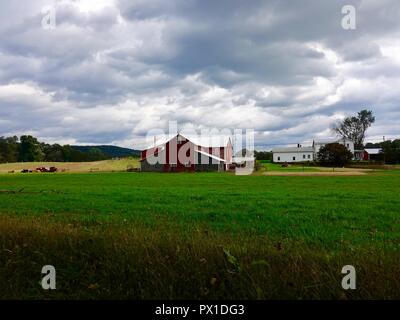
180	166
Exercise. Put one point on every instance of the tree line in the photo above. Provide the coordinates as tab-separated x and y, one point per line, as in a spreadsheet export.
355	127
390	150
28	149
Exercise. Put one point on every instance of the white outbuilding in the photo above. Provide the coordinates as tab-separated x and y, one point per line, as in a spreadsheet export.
303	154
295	154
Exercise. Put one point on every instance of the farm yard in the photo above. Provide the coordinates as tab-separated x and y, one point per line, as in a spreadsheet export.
199	235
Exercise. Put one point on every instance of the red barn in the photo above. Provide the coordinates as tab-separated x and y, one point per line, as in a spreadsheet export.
188	153
373	154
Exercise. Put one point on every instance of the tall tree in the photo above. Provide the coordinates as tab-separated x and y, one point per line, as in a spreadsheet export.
53	152
355	127
334	154
30	149
9	149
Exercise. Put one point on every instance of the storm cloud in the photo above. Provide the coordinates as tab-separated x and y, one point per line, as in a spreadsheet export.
112	70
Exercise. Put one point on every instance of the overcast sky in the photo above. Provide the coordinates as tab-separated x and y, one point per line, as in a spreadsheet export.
112	70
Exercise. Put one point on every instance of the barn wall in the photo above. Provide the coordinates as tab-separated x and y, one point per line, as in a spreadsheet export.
147	167
187	145
205	163
210	167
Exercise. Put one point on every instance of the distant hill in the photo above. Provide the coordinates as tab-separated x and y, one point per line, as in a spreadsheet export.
110	151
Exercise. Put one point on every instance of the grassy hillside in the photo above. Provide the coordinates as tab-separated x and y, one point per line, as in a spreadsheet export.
139	235
106	165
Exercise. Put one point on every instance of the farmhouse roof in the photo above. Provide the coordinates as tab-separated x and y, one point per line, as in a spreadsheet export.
327	141
293	149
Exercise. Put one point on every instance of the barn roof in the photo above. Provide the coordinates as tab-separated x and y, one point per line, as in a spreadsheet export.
373	150
207	141
327	141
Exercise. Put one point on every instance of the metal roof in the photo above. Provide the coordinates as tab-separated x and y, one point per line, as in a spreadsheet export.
373	150
327	141
206	141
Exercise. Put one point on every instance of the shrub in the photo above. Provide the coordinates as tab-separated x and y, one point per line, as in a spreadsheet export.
334	154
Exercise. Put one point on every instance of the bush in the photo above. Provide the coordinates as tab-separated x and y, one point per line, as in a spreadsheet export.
334	154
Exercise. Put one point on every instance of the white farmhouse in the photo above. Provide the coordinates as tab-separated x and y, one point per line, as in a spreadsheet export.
303	154
296	154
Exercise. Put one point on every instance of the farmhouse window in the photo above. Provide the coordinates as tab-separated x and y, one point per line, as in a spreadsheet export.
304	156
309	156
294	158
279	158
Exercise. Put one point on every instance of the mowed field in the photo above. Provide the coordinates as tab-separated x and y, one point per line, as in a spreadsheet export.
100	166
199	235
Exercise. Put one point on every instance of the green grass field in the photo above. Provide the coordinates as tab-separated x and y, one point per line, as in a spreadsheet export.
201	235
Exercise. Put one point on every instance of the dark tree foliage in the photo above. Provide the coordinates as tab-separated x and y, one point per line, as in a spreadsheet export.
390	148
9	149
354	128
263	155
111	151
334	154
29	149
53	152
